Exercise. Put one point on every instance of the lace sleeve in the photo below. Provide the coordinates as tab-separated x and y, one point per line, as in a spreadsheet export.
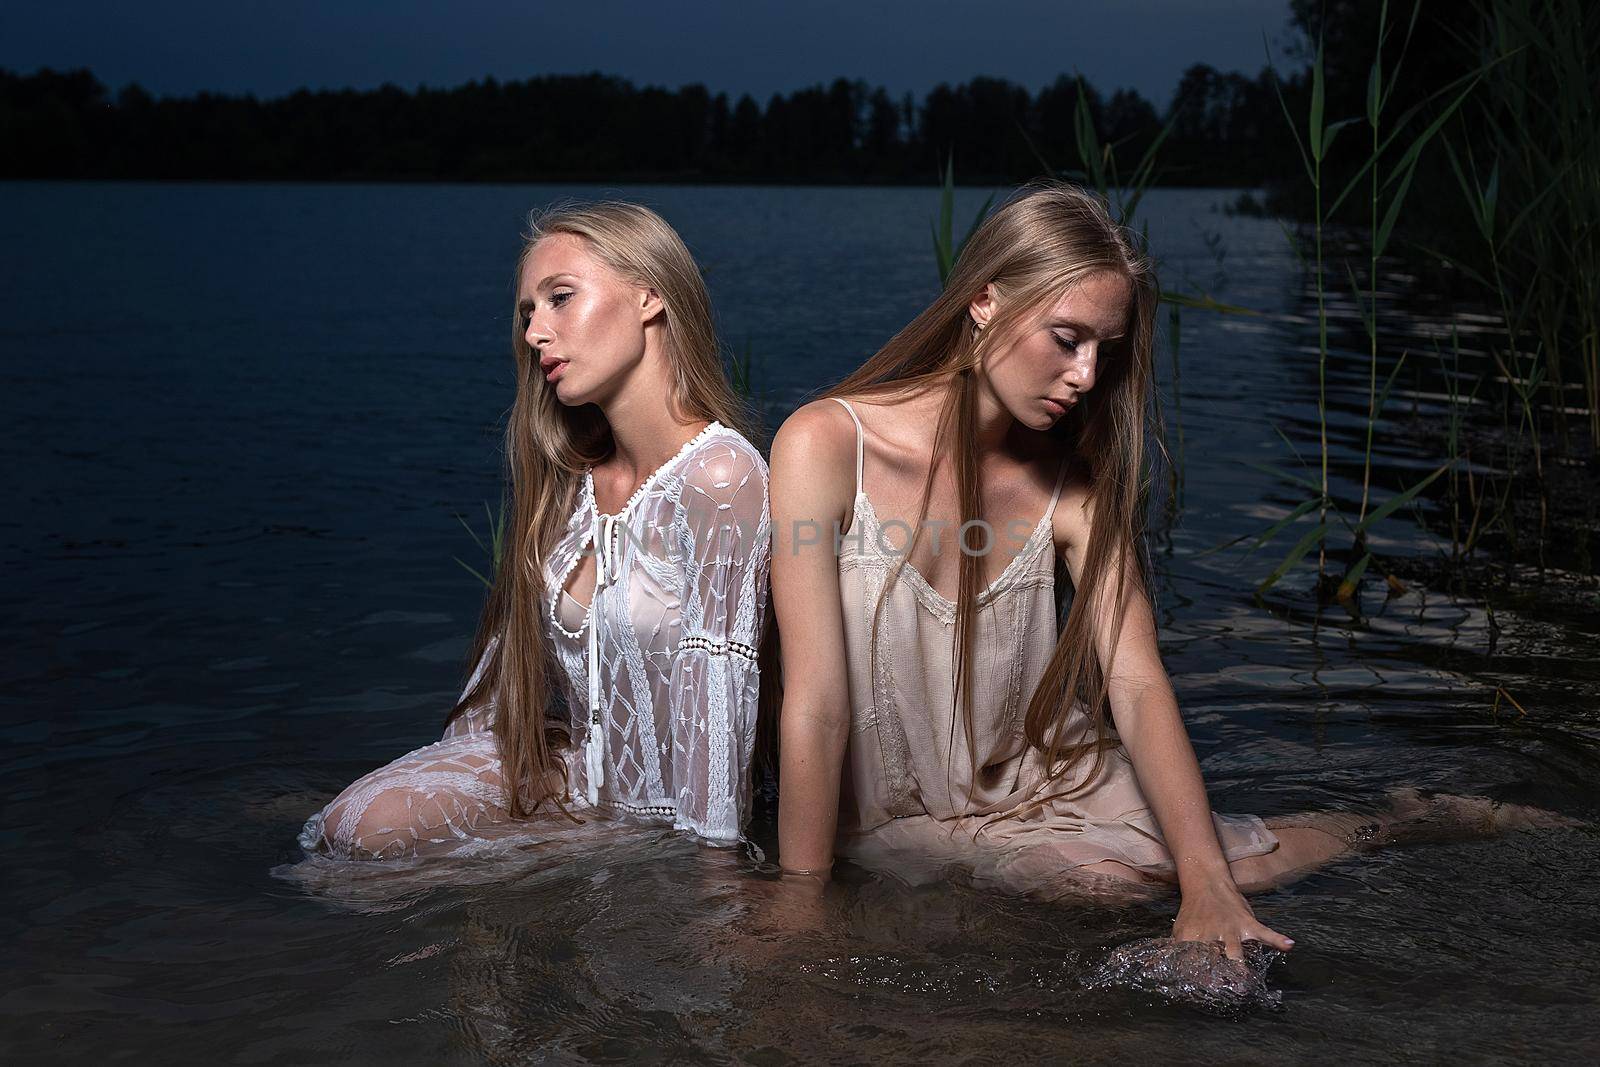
721	528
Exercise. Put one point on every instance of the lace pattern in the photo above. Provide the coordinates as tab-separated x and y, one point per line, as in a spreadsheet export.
667	646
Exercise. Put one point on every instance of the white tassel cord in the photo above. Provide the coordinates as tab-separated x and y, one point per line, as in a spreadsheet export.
608	557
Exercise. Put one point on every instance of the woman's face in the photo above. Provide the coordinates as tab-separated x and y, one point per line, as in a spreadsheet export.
1054	357
585	324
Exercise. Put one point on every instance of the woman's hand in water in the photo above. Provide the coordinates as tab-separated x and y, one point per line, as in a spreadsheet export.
786	924
797	903
1219	912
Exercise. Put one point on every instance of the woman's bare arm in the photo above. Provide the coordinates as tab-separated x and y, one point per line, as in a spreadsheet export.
1151	728
812	490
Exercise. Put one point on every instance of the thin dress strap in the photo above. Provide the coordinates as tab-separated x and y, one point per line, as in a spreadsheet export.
1061	477
859	445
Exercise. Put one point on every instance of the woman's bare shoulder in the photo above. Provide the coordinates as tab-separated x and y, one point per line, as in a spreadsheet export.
1074	515
813	452
818	431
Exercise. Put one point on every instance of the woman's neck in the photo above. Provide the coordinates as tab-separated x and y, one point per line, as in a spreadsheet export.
644	431
994	428
992	422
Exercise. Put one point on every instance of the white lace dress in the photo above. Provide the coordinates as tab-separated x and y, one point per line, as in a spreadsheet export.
661	676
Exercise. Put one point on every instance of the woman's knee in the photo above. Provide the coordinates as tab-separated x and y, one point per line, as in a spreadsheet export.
436	795
363	825
1112	869
1116	877
1301	848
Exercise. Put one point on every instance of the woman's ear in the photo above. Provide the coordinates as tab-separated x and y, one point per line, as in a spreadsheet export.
650	304
983	306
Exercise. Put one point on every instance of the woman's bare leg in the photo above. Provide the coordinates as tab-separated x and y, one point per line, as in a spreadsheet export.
1306	843
1312	840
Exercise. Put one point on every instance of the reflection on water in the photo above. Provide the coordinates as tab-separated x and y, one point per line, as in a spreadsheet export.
241	420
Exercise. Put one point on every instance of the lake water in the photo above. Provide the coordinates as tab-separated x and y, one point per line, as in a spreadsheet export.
240	422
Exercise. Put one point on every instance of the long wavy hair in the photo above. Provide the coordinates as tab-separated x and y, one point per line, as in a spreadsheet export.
1047	237
547	447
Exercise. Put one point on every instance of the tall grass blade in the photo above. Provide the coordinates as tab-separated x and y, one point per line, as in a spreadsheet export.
1296	554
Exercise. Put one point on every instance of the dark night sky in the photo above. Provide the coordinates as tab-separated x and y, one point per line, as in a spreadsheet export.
268	48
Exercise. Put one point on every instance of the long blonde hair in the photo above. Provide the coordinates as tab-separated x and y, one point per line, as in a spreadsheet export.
547	447
1049	236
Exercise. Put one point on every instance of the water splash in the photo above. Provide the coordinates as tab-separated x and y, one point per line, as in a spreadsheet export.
1191	972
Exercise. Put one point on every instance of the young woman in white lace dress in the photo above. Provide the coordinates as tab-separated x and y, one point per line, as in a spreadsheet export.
615	668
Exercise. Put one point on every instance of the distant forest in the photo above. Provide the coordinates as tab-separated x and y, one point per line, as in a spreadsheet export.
1228	131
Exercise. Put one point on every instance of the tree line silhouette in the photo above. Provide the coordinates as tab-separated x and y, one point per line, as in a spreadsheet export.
1227	131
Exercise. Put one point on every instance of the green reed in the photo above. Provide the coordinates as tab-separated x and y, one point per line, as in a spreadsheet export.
742	373
1544	158
946	250
494	547
1527	163
1519	135
1386	174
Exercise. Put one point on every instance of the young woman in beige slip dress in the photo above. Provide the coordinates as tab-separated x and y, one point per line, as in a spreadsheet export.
911	795
1020	394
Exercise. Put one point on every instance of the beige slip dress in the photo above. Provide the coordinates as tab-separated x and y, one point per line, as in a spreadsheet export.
910	801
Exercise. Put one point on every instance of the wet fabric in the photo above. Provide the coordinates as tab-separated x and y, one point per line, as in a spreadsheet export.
912	803
659	673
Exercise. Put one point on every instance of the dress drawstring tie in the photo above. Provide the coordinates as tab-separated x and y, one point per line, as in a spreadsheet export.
608	560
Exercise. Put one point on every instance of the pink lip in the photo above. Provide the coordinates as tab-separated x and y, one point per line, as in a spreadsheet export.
554	371
1056	407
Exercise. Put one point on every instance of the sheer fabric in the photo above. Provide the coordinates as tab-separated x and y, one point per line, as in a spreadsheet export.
659	671
917	799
